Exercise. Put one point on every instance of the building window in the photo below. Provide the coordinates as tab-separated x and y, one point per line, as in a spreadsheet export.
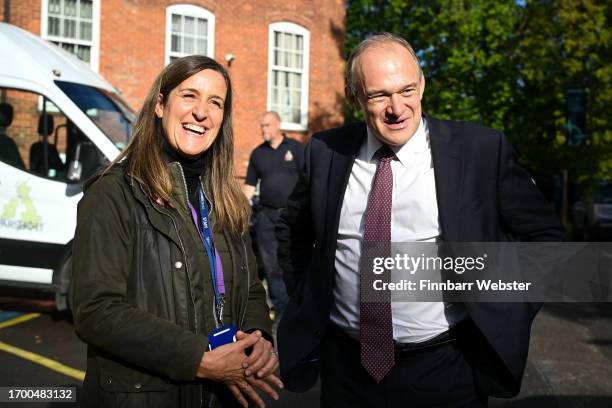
74	25
189	30
288	50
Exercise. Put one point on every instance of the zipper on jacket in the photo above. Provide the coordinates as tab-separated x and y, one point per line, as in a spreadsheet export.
210	204
214	303
248	288
195	319
167	213
185	258
211	400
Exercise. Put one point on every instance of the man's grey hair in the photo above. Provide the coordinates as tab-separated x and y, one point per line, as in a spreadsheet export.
371	41
272	113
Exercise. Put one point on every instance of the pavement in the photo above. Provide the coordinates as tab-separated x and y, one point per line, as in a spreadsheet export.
570	359
569	366
569	363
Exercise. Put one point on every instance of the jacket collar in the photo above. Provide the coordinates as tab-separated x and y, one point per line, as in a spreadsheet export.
156	213
418	143
179	187
343	156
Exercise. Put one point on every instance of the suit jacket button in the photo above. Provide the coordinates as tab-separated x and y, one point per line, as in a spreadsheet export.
138	386
109	381
178	264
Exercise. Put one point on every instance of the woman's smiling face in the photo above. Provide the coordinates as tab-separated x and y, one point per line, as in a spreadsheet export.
192	114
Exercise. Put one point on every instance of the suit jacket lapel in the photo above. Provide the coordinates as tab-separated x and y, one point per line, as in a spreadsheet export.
447	158
343	156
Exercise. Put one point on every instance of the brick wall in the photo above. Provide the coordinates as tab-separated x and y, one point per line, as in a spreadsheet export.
24	128
132	52
25	14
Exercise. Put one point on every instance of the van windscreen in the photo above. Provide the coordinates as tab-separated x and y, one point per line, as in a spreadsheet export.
104	108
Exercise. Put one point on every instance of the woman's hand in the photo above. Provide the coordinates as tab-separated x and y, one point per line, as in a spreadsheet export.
262	361
225	364
261	364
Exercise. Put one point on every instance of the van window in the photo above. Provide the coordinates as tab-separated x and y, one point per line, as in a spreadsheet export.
104	108
38	137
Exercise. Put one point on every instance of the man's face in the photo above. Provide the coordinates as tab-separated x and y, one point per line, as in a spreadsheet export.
389	92
270	127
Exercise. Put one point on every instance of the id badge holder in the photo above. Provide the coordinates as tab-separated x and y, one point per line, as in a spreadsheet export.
223	335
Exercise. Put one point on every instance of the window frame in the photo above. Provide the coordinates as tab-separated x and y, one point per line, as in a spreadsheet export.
94	62
55	110
191	11
291	28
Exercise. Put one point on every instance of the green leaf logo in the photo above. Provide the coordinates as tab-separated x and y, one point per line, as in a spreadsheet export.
30	219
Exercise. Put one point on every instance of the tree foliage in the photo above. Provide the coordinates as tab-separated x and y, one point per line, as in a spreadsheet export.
507	64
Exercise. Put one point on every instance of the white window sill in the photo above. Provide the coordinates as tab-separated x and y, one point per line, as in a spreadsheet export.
293	126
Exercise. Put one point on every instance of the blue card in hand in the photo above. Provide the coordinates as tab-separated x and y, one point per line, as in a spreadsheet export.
223	335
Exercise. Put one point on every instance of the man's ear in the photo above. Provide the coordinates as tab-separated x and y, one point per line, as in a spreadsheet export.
422	87
159	106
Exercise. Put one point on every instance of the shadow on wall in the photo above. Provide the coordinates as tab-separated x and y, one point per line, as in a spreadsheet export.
321	117
338	33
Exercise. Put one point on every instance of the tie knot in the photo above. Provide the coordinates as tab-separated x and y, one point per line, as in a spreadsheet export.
384	154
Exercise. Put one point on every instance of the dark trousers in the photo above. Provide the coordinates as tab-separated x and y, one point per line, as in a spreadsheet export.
267	245
434	377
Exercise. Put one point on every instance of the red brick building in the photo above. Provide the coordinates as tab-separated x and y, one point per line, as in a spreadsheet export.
284	55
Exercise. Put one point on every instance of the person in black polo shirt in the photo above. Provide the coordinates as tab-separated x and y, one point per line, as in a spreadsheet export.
276	164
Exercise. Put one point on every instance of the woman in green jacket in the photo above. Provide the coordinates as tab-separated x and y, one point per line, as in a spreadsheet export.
162	261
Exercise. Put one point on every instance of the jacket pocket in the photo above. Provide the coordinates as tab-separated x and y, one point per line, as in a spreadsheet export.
115	377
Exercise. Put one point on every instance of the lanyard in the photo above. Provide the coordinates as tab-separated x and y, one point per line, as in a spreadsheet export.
206	234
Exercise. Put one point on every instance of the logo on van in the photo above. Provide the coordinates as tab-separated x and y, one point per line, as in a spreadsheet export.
29	219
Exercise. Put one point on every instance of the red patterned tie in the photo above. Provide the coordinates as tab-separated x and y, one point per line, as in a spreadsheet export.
376	329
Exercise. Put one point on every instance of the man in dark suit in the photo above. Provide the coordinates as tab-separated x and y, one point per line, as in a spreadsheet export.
401	176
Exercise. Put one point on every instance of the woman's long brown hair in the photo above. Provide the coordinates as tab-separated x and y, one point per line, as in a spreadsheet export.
144	158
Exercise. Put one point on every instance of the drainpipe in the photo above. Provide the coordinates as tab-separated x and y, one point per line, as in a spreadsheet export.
6	19
7	11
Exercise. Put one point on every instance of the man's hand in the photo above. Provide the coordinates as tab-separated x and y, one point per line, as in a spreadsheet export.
248	191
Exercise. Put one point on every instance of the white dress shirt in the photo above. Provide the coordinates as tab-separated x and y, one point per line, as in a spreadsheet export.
414	217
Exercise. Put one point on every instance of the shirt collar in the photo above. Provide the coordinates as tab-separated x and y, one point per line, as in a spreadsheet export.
418	143
283	141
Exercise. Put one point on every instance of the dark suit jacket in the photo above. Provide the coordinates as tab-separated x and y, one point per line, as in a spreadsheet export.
483	195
